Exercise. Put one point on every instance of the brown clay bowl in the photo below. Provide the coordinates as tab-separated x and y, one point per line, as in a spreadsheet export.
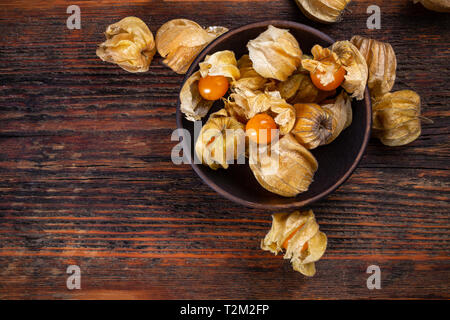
336	161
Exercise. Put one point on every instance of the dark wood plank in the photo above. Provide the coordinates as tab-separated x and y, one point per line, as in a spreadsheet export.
86	176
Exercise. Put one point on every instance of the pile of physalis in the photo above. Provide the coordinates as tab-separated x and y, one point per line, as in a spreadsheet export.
298	235
278	105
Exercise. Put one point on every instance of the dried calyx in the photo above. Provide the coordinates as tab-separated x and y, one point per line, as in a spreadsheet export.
318	125
179	41
435	5
221	63
326	11
396	118
129	44
275	53
249	78
313	126
192	104
342	54
298	235
355	66
341	114
298	88
285	167
245	104
381	63
221	140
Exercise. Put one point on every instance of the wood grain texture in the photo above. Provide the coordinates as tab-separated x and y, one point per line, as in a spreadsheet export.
86	176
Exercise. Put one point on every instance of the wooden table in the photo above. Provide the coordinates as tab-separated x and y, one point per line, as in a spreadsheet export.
86	176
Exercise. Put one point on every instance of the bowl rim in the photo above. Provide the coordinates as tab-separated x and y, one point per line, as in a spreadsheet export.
293	204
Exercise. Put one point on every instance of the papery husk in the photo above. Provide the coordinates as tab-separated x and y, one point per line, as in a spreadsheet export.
396	118
235	110
179	41
305	263
129	44
192	103
221	63
326	11
313	126
275	53
341	114
214	141
381	62
245	104
354	63
325	61
286	168
300	68
435	5
299	88
249	78
299	228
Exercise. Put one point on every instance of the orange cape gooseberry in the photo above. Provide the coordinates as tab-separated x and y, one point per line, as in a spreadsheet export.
213	87
337	78
259	128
